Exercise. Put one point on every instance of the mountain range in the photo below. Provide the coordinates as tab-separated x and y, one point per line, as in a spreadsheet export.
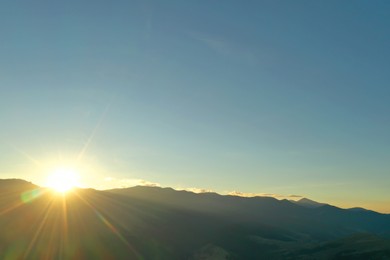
162	223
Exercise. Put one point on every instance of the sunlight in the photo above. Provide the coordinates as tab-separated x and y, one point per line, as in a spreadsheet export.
62	180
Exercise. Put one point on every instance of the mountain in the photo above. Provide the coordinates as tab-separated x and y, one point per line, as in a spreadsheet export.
358	209
308	203
162	223
357	246
15	185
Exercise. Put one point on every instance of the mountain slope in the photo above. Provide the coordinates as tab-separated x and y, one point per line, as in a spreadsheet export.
322	222
308	203
161	223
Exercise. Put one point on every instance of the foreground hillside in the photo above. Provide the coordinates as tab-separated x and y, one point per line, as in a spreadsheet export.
162	223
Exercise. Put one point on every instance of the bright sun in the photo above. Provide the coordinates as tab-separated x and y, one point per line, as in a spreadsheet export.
62	180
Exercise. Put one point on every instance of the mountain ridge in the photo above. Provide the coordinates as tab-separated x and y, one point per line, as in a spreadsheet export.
162	223
305	202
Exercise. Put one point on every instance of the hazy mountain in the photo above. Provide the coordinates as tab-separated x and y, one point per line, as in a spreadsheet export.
162	223
15	185
308	203
358	209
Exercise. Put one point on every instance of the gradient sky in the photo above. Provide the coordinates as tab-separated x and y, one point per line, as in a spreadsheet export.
285	97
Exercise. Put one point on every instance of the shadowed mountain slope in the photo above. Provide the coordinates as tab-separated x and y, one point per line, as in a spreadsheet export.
162	223
308	203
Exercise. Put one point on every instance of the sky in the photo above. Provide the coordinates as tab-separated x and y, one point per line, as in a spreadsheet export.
251	97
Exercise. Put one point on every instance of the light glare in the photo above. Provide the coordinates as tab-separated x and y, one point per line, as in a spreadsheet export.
62	180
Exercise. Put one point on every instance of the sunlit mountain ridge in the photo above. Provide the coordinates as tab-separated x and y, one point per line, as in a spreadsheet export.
163	223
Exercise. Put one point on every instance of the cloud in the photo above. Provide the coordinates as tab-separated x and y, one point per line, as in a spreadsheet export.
196	190
112	183
148	183
273	195
295	196
115	183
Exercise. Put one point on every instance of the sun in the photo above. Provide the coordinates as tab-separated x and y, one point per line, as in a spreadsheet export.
62	180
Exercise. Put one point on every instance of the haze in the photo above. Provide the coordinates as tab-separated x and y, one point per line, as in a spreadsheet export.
259	97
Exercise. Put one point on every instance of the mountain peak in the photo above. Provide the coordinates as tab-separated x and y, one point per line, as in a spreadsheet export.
8	183
308	203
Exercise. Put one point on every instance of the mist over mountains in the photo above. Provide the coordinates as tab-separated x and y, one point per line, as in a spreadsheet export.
163	223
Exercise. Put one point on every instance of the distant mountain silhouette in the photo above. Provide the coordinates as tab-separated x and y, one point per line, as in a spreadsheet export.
11	185
162	223
308	203
358	209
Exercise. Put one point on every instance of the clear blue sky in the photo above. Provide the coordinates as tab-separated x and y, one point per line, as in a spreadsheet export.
286	97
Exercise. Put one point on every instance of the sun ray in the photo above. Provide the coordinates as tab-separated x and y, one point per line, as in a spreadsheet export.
39	229
109	225
94	131
26	155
